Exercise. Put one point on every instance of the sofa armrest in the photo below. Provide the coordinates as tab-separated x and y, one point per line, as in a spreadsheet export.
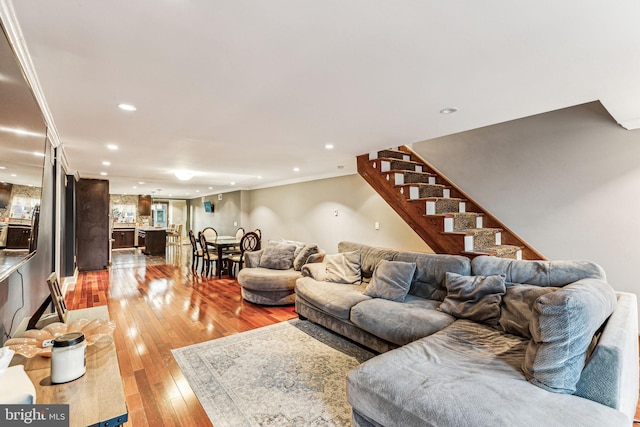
610	376
252	258
316	270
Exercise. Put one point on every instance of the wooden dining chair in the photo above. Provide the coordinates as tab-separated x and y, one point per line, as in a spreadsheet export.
239	233
210	257
210	234
258	232
249	242
196	253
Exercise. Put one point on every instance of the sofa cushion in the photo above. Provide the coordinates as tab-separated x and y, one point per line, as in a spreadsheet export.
517	306
370	256
400	323
303	255
562	328
343	267
335	299
268	279
278	256
541	273
475	298
428	281
391	280
468	374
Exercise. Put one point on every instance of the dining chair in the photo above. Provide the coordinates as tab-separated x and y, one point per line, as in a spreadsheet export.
210	234
239	233
174	235
210	257
258	232
249	242
196	253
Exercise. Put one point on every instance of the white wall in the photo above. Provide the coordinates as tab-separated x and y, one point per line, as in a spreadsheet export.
566	181
305	212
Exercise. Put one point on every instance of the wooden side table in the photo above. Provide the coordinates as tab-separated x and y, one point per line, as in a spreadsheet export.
95	399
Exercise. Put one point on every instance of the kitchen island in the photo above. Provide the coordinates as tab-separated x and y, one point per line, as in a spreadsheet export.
153	240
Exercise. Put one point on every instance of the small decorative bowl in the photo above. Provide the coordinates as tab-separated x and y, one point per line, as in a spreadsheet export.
38	341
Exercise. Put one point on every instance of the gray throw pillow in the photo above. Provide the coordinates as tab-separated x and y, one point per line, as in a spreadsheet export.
343	268
391	280
475	298
517	307
562	328
303	255
277	256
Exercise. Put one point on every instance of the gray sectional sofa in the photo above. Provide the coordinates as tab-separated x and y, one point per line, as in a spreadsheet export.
492	342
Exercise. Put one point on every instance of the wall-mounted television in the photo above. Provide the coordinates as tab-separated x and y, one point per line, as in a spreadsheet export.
208	207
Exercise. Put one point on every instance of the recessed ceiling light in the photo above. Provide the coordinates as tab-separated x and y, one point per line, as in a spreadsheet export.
170	195
13	174
127	107
183	175
296	169
232	183
141	182
106	163
328	146
448	110
210	188
259	177
103	173
197	191
134	187
112	146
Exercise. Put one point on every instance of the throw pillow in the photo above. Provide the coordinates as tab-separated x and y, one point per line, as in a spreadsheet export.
303	255
517	307
277	257
562	328
343	268
475	298
391	280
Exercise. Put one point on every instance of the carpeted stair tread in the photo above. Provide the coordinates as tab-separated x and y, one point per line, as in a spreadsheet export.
500	251
425	190
464	220
392	154
411	177
477	231
442	204
401	165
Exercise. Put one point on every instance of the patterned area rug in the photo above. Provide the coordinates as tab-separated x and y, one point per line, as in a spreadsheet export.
289	374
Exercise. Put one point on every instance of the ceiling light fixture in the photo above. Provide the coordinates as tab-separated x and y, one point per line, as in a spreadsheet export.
37	153
183	175
296	169
127	107
103	173
232	183
106	163
259	177
112	146
448	110
328	146
141	182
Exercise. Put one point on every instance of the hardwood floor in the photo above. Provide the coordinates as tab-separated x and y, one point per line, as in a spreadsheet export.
159	305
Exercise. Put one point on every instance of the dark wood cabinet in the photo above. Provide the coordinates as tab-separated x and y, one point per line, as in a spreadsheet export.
5	194
154	241
123	238
92	224
144	205
18	236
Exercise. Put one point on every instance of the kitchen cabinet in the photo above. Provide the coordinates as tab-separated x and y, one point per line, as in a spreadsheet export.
5	194
18	236
123	238
154	241
144	205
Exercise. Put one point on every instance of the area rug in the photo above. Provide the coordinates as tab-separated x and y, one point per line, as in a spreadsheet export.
289	374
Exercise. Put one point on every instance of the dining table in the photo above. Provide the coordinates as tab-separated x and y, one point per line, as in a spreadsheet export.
220	244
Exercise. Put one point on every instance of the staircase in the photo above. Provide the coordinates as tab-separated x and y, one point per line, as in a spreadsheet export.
446	218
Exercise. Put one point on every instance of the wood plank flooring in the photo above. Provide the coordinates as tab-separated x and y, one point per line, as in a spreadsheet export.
159	305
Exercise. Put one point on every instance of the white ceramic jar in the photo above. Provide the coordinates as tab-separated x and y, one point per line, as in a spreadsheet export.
68	357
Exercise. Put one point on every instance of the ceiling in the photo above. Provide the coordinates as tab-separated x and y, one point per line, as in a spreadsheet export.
235	90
